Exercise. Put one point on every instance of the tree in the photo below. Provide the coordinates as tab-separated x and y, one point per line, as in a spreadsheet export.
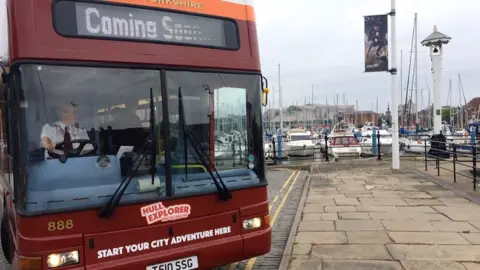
446	115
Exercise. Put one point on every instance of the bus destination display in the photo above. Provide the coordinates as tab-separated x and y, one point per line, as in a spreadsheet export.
92	20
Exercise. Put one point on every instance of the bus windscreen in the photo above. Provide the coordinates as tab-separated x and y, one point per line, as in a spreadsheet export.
120	22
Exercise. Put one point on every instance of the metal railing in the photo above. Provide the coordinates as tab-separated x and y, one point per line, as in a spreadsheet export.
460	151
448	153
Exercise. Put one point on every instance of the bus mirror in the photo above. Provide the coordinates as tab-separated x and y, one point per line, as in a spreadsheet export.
265	91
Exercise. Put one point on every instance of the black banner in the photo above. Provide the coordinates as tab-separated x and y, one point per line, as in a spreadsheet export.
376	43
108	21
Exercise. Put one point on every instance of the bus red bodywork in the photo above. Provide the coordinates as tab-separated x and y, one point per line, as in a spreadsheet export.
102	243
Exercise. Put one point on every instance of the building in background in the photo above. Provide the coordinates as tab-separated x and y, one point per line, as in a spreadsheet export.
310	115
472	109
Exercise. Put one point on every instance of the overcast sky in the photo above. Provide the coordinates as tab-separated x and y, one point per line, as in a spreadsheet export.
322	42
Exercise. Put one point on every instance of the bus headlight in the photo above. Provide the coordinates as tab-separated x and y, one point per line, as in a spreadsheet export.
62	259
253	223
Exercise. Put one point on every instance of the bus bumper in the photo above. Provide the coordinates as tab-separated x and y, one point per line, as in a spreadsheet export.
210	254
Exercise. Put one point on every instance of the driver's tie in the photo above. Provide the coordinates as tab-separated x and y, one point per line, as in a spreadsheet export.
67	141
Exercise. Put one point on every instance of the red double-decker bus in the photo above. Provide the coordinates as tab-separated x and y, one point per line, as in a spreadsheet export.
133	135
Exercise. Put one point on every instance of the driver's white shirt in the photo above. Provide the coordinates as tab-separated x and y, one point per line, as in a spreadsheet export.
56	133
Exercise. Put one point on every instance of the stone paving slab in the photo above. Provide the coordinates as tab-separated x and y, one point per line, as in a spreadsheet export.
433	238
371	237
454	226
373	218
432	265
316	226
472	266
361	265
465	253
350	252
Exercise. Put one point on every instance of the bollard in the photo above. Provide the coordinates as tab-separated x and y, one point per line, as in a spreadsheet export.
326	148
274	151
280	145
454	163
438	166
379	154
474	161
374	142
473	138
426	163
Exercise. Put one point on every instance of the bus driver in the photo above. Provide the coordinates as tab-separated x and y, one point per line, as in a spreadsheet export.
64	130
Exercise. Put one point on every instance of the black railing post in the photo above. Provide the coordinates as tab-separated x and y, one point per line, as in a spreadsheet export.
474	161
379	155
274	151
426	156
454	164
326	148
438	166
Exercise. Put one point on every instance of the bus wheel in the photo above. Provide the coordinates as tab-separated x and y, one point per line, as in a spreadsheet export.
7	245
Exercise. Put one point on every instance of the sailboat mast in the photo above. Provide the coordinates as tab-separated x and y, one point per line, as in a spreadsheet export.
461	121
280	100
313	109
272	119
463	114
312	94
328	108
450	100
356	113
274	109
336	109
401	86
416	70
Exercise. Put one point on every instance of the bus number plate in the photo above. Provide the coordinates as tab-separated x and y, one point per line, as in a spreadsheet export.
181	264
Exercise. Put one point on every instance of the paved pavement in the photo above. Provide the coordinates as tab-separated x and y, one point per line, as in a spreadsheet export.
375	219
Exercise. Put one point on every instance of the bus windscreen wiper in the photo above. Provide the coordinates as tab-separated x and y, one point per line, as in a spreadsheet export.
190	136
108	209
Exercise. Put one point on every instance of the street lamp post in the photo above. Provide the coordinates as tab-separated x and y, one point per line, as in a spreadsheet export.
435	42
393	72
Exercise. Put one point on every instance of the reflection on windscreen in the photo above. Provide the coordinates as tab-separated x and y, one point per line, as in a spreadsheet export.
85	127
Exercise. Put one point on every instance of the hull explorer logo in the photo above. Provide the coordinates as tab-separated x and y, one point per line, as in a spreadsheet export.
157	212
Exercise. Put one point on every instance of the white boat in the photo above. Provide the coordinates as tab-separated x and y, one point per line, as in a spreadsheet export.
385	143
268	149
342	142
339	129
462	142
416	145
368	126
344	146
316	138
300	143
342	128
